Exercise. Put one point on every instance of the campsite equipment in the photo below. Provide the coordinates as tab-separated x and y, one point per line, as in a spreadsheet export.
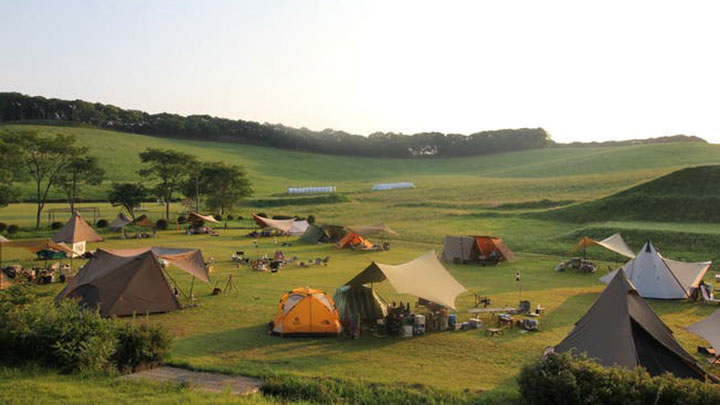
407	331
419	324
475	323
530	324
577	264
76	233
323	234
127	282
355	241
475	249
444	321
621	329
361	300
657	277
119	222
424	277
613	243
709	329
306	311
452	321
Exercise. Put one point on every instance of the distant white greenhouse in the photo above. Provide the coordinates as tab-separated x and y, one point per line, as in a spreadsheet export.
393	186
310	190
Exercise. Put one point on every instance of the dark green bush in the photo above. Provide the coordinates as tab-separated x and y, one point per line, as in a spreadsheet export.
161	224
230	217
71	338
311	219
218	217
562	379
262	214
13	229
56	225
139	345
3	226
181	219
102	223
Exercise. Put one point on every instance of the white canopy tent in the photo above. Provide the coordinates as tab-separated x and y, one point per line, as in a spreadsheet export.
613	243
656	277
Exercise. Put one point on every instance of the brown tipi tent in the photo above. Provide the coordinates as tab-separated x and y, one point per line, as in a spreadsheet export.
76	233
621	329
122	285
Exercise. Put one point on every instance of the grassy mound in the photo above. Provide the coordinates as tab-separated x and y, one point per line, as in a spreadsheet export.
687	195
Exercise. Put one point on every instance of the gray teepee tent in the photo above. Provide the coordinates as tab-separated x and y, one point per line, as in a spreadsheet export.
621	329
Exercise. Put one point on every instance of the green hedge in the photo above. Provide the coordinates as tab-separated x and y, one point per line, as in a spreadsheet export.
562	379
72	339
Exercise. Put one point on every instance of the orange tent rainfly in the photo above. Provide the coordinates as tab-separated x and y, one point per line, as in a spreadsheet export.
306	311
474	249
354	241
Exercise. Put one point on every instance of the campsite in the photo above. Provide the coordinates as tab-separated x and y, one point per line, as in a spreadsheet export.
229	332
406	202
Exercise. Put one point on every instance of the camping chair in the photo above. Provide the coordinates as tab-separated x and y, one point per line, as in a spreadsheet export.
318	261
325	260
708	297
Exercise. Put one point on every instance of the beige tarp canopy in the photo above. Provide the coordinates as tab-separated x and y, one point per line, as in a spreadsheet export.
283	225
708	329
657	277
369	231
76	230
189	260
424	277
4	239
36	245
194	216
299	227
614	243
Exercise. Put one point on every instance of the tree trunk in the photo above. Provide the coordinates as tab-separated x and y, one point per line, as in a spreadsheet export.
167	209
37	217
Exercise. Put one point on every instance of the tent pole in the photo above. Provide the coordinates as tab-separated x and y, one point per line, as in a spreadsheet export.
167	274
192	284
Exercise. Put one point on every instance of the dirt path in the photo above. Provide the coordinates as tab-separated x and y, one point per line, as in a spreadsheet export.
213	382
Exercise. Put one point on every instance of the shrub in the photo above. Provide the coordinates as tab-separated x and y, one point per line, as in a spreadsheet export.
239	217
3	226
161	224
56	225
563	379
181	219
12	229
311	219
230	217
73	339
139	345
103	223
261	214
218	217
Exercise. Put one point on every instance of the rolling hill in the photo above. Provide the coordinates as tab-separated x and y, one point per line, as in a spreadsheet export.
556	173
687	195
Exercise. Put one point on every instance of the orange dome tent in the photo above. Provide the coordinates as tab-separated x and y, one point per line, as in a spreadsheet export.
306	311
354	241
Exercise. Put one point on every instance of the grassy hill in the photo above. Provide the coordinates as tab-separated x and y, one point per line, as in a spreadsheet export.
687	195
556	173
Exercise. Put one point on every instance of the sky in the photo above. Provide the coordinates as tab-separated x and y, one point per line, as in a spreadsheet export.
584	71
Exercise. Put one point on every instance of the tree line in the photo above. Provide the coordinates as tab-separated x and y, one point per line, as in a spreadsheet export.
57	162
16	107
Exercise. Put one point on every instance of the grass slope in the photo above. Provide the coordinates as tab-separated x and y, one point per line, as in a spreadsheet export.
687	195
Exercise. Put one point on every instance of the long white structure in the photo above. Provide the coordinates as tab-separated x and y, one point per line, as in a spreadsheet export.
310	190
393	186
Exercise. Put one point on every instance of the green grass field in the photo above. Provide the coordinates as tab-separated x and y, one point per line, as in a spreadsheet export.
452	196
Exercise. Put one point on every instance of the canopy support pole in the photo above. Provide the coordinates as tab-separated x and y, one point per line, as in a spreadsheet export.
175	284
192	285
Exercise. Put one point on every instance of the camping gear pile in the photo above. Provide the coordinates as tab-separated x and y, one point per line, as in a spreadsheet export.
198	224
582	265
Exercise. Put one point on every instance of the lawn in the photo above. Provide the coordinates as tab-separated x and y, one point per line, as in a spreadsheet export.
228	333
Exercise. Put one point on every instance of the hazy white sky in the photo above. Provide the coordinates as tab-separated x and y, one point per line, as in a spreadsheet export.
582	70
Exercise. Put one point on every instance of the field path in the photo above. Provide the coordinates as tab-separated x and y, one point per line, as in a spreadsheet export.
214	382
